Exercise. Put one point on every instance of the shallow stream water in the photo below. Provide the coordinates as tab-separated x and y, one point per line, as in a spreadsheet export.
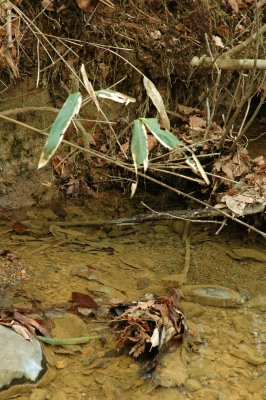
124	263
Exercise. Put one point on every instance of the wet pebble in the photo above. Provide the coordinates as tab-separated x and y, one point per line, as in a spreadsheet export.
247	254
60	395
70	325
201	369
38	394
192	385
258	385
192	310
258	303
161	229
142	283
229	337
172	372
210	295
248	354
206	394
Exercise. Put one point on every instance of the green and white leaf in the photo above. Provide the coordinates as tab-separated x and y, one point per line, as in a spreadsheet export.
115	96
139	145
69	110
166	138
170	141
157	100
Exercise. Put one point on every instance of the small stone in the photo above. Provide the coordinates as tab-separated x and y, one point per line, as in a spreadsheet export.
258	385
63	363
39	394
172	371
178	227
204	394
247	254
201	369
142	283
192	385
248	354
258	302
192	310
69	326
60	395
211	295
162	229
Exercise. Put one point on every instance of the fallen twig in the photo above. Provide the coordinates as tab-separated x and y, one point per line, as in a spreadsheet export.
229	64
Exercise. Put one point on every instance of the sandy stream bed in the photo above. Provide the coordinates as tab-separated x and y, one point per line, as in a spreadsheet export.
125	263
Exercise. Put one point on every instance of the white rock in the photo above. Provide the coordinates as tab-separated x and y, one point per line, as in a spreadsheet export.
19	358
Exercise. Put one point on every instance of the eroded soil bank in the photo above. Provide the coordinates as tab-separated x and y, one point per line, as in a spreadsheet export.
227	357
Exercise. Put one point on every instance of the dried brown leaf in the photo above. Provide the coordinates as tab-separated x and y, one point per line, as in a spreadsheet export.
196	122
218	41
234	5
84	300
261	3
48	5
22	331
31	324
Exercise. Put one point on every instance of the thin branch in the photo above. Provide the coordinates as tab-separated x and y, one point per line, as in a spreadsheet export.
246	43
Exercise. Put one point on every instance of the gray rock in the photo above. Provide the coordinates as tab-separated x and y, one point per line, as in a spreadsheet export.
20	359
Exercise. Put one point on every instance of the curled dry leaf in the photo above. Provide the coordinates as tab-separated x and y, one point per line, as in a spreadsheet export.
196	122
234	5
84	5
157	100
48	5
261	3
218	41
23	325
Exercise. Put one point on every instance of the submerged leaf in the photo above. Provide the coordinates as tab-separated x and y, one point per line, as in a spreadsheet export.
157	100
70	108
139	145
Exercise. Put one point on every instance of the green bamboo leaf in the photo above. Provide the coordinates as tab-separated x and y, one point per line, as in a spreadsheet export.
70	108
166	138
157	100
115	96
139	145
170	141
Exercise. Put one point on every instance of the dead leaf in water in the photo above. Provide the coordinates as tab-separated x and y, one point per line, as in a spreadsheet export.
18	227
82	300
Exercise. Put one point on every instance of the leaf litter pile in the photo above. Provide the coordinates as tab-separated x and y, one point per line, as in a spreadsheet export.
149	328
